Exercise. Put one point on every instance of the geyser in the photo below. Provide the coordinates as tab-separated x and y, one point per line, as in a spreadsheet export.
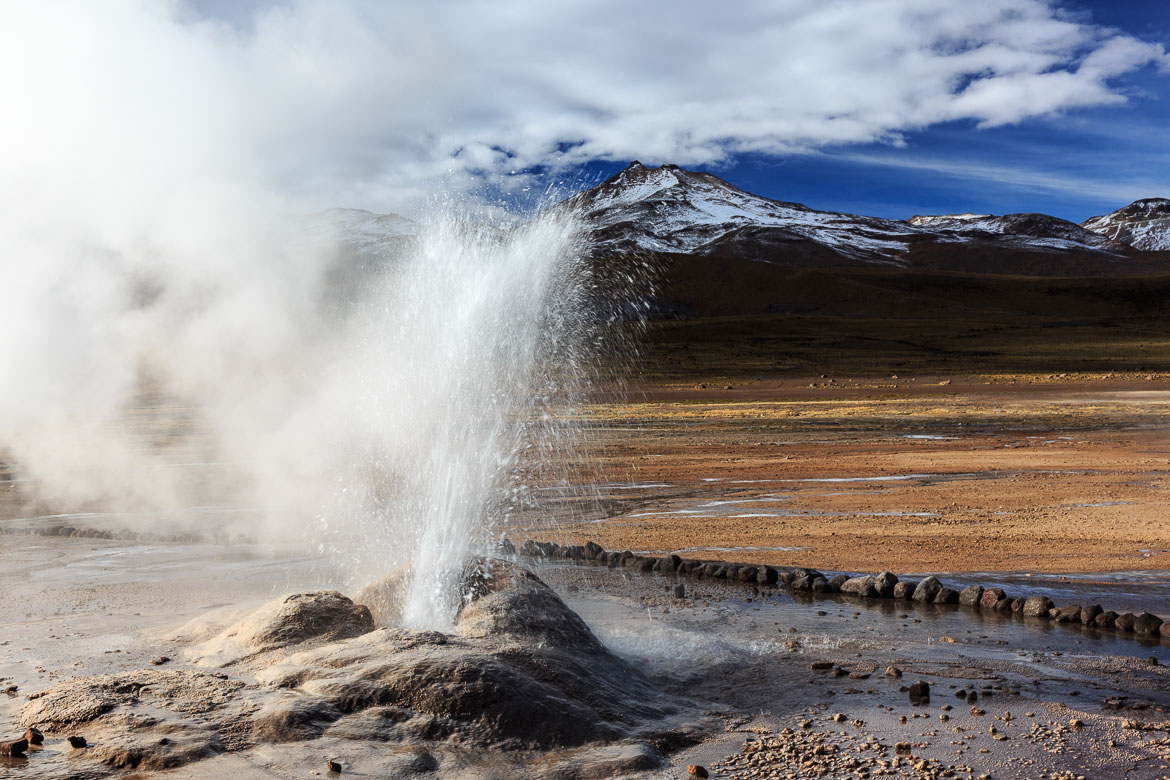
468	357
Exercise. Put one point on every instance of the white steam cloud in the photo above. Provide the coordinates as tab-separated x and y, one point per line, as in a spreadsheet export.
154	156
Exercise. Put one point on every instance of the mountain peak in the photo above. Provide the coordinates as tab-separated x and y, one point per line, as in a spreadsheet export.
1143	224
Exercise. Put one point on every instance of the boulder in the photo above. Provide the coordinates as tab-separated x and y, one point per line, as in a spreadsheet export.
593	551
884	584
1124	622
926	590
1090	613
969	597
14	748
1146	624
904	590
747	573
1163	631
860	586
836	581
1069	614
991	597
1037	606
819	585
920	693
802	583
1105	619
946	596
1017	605
766	575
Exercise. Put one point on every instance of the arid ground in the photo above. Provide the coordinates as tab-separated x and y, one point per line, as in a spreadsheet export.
904	462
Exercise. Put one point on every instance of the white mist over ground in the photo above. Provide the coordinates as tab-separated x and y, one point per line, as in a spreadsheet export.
178	332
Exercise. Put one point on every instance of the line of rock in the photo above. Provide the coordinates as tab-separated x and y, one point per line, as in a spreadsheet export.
885	585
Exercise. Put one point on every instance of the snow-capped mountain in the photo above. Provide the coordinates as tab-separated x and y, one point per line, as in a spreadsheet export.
668	209
1035	230
1143	224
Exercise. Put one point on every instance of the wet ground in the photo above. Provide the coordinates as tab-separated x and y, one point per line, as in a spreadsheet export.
741	655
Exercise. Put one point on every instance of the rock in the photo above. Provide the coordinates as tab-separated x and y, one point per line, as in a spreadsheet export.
1069	614
34	736
860	586
747	574
821	666
946	596
324	615
680	591
836	581
903	748
77	741
1005	605
926	590
893	671
884	583
162	659
1105	619
972	697
819	585
969	597
802	583
645	564
1017	605
904	590
840	718
1164	630
669	564
593	551
766	575
1076	724
14	748
920	693
1124	622
1037	606
1090	613
697	771
991	597
1146	624
333	766
505	547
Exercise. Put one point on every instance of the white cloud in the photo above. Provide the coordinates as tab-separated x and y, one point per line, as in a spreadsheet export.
374	103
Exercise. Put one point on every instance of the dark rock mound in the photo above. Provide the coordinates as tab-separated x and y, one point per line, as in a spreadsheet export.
323	615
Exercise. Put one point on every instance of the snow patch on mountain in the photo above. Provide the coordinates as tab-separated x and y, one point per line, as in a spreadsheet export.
1143	224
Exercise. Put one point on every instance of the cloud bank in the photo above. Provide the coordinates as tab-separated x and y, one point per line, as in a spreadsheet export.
374	103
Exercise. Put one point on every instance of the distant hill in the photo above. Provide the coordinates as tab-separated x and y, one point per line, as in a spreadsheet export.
1143	224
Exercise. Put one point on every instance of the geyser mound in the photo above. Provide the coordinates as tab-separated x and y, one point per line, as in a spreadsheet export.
519	673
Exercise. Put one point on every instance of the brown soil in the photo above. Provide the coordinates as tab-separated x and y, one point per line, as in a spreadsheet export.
1030	473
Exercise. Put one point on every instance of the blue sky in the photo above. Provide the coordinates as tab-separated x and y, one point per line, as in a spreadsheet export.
1078	164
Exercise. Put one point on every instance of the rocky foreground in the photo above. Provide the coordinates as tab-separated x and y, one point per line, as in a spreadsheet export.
520	678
